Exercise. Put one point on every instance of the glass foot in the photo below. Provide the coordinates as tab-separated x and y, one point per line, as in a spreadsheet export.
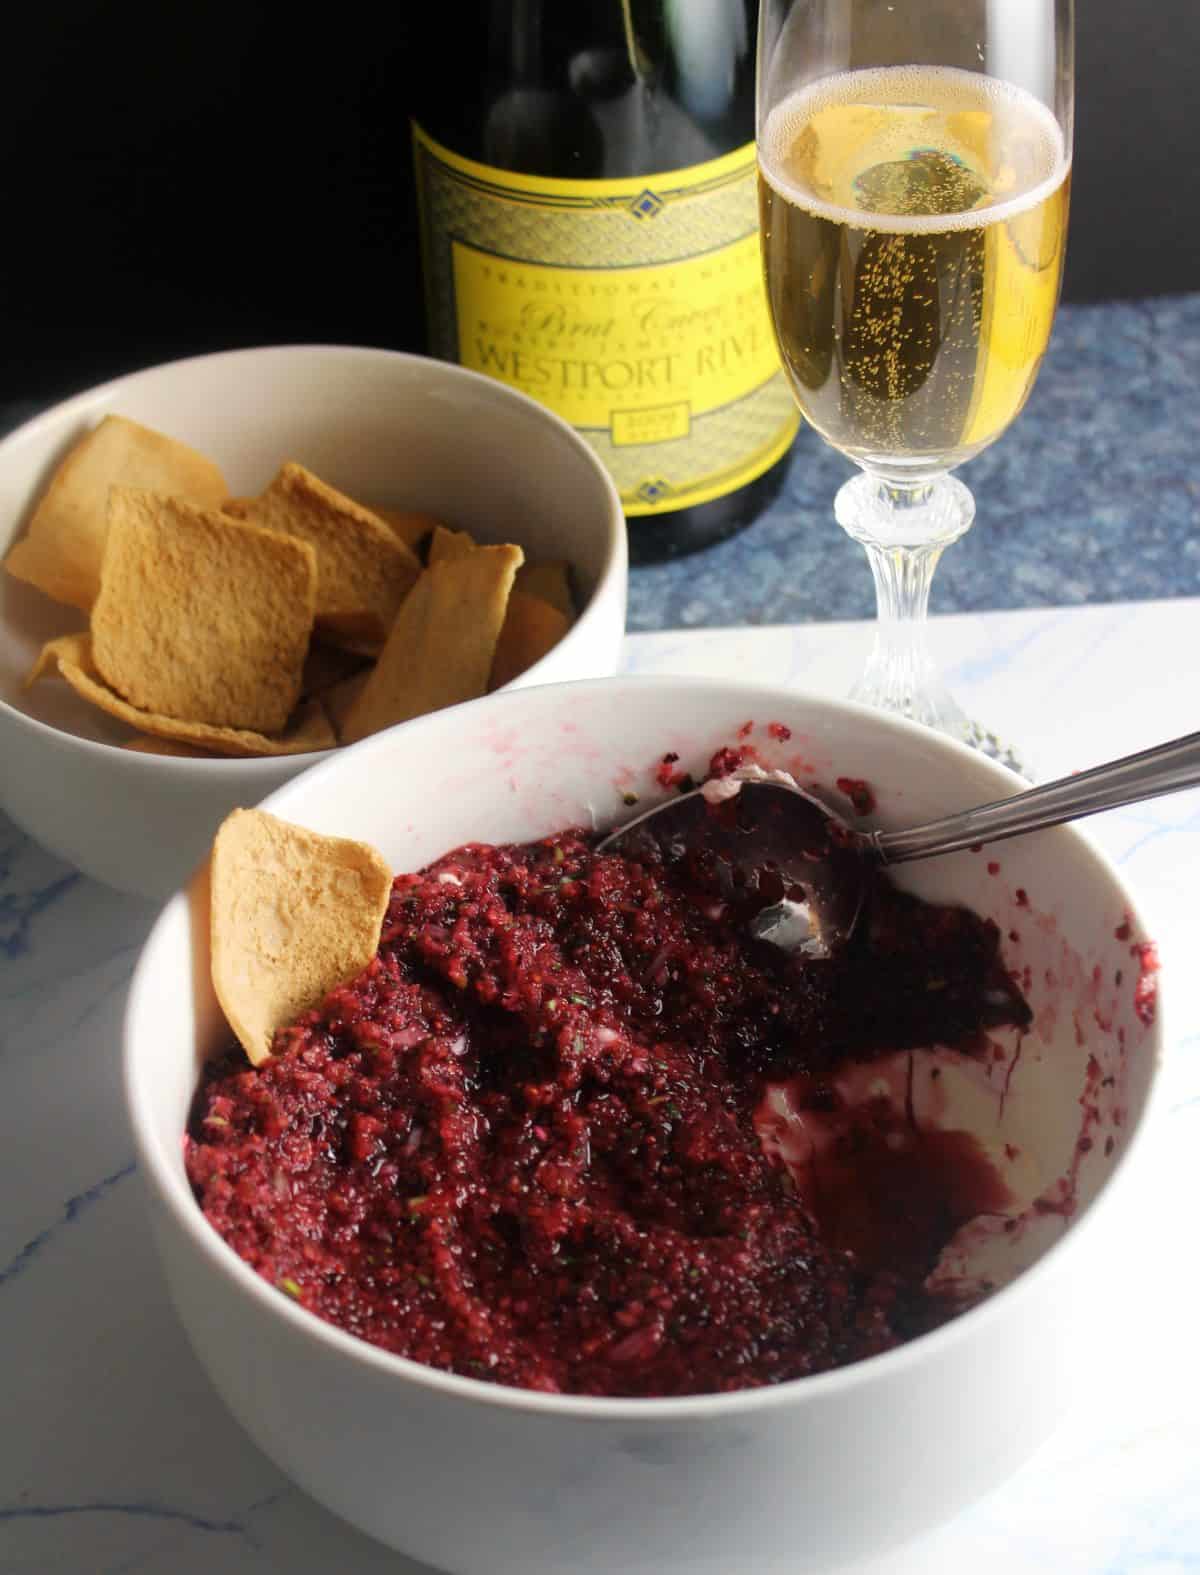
902	679
987	743
931	703
910	687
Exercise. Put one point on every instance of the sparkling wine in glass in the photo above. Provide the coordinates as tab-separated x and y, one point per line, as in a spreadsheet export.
914	179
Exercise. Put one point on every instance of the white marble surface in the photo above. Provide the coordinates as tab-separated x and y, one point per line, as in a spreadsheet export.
116	1456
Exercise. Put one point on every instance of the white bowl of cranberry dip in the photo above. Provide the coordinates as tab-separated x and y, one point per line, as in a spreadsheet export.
582	1231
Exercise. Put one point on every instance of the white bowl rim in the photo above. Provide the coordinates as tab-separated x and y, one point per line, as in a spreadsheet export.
187	1215
79	404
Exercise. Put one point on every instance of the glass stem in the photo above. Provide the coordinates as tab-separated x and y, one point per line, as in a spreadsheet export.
905	528
900	665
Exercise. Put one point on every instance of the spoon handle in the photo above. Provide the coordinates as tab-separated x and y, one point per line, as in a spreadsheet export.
1167	768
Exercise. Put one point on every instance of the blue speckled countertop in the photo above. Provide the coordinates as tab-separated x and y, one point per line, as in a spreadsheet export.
1093	495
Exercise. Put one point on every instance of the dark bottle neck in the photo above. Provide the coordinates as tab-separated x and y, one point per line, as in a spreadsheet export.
590	89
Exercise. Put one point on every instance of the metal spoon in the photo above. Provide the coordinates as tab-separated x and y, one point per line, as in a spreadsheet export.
785	864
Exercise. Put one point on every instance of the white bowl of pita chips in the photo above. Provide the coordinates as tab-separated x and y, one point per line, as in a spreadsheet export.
220	569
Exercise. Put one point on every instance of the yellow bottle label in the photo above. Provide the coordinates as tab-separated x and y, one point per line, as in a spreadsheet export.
634	308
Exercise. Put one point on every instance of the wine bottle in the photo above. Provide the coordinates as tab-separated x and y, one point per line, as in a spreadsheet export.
589	236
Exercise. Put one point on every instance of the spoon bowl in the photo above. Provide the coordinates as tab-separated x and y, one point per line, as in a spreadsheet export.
784	864
776	858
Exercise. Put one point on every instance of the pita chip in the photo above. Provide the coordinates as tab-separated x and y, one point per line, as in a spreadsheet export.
531	628
294	914
364	570
443	643
63	548
201	616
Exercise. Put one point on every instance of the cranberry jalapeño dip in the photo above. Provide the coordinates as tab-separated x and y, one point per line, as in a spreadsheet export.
531	1238
574	1130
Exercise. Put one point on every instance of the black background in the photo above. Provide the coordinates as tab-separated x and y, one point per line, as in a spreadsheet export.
198	174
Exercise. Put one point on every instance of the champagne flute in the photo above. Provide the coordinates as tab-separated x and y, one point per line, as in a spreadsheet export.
914	178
